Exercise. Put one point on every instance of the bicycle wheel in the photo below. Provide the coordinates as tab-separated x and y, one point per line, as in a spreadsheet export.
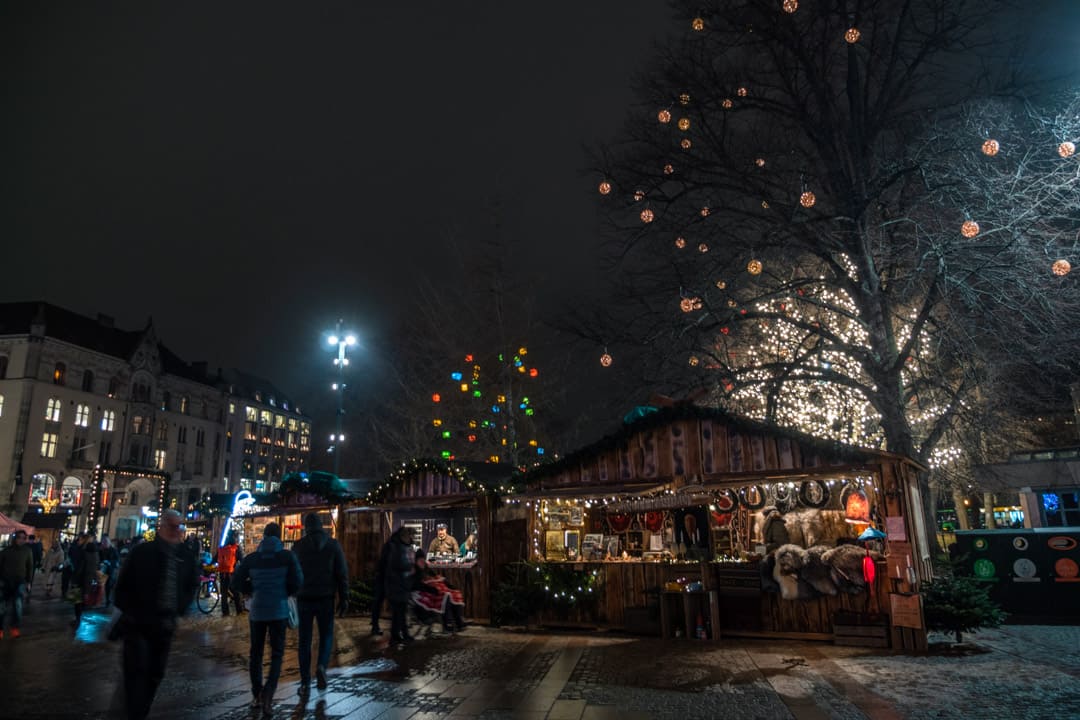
208	597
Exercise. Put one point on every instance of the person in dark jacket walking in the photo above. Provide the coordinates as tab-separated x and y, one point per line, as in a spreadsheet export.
110	565
400	567
326	574
16	573
86	580
272	574
157	584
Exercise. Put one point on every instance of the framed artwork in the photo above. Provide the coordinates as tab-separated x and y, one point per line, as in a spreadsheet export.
692	527
635	542
612	545
577	517
555	549
592	547
572	543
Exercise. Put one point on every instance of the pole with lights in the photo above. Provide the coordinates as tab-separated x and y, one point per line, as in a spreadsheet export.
342	340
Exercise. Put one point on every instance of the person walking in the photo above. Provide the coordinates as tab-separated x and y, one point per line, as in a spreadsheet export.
156	585
378	592
110	565
228	556
74	551
38	553
322	562
273	574
400	566
16	572
85	579
51	565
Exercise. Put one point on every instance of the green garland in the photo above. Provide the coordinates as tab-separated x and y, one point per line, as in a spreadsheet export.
447	468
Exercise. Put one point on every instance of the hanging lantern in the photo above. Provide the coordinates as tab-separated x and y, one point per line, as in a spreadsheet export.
807	199
698	24
790	6
684	99
668	169
990	147
857	508
605	360
754	267
1066	149
647	215
703	248
869	570
664	116
685	143
639	195
680	242
760	162
684	124
727	104
852	35
605	188
969	229
1061	267
741	92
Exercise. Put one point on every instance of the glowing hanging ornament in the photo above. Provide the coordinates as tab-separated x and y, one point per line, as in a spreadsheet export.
639	195
727	104
684	124
857	508
664	116
1066	149
760	162
694	361
790	6
436	397
754	267
533	372
852	35
807	199
990	147
680	242
741	92
605	188
703	248
720	284
869	571
1061	267
969	229
685	143
668	169
698	24
647	215
705	211
605	359
684	99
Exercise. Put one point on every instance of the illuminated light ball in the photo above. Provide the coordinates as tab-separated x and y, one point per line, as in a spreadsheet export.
754	267
1066	149
684	123
523	351
680	242
647	215
468	358
698	24
705	211
639	195
436	397
684	99
852	35
990	147
668	169
760	162
765	204
727	104
664	116
686	305
605	360
731	303
725	330
1061	267
703	248
741	92
685	144
472	438
790	6
694	361
533	372
720	284
605	188
969	229
807	199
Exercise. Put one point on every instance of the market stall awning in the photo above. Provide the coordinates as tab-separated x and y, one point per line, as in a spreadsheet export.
8	526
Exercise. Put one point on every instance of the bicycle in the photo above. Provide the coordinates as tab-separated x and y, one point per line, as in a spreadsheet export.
209	594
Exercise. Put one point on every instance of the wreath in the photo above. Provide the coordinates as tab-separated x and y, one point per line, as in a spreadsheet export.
654	520
814	493
752	504
619	522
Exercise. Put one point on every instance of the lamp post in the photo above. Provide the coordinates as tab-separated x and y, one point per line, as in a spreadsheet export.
342	340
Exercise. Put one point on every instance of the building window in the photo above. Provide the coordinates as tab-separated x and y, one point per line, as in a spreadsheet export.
258	396
181	435
166	400
293	424
273	403
1061	509
71	491
59	374
1	406
279	421
3	366
232	408
108	420
82	415
184	404
42	487
162	431
227	464
138	424
285	404
104	451
114	386
200	437
87	382
266	418
159	459
52	410
48	444
133	497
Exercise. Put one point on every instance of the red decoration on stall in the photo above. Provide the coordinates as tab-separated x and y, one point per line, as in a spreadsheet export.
869	570
857	508
619	522
654	520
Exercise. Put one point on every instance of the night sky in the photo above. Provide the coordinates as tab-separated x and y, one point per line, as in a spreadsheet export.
247	172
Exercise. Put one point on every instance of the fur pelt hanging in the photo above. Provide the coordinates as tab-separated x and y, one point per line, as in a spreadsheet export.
845	566
790	560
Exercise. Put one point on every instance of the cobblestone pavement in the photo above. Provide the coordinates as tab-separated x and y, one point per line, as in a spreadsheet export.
1018	672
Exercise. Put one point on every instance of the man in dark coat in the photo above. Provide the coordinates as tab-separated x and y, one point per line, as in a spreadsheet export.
325	575
157	584
400	567
16	572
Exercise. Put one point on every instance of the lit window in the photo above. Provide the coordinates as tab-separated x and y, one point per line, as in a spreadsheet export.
265	417
184	404
272	401
159	459
82	415
52	410
108	420
1	406
258	396
251	414
293	424
279	421
232	408
48	444
59	376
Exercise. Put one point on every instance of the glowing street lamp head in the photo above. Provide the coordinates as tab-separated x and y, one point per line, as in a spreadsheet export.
333	339
350	339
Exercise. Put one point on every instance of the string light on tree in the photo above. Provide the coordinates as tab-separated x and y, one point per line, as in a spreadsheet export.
680	242
647	216
990	147
639	195
606	359
807	199
664	116
698	24
685	143
605	188
1066	149
684	123
727	104
703	248
741	92
969	229
852	35
790	6
1061	267
684	99
754	267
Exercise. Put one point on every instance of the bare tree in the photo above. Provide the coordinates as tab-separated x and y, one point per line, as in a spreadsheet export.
844	216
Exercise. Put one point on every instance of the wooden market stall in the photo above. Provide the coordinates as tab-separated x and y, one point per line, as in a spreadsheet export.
423	494
666	517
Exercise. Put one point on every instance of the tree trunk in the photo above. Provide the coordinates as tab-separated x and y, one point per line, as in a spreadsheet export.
961	510
988	510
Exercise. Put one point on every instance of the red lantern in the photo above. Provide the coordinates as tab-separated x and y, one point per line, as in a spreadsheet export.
869	570
857	508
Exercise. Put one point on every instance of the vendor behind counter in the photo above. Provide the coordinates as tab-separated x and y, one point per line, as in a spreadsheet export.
443	543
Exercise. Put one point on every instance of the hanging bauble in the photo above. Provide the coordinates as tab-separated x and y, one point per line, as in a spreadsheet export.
698	24
685	143
760	162
852	35
726	103
969	229
807	199
754	267
869	571
1061	267
605	360
741	92
604	188
990	147
533	372
684	99
684	123
790	6
639	195
680	242
668	169
664	116
694	361
703	248
647	215
1066	149
720	284
857	508
705	211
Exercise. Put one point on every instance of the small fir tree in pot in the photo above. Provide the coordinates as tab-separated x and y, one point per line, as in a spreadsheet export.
957	603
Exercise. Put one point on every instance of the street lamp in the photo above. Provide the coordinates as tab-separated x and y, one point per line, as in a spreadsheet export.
342	340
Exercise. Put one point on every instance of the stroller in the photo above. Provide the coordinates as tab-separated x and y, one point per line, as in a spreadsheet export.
423	615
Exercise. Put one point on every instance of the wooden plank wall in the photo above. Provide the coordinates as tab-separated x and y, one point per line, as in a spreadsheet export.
362	538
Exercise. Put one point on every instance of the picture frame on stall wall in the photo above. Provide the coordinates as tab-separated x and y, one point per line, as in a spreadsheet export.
592	547
572	543
577	517
553	544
